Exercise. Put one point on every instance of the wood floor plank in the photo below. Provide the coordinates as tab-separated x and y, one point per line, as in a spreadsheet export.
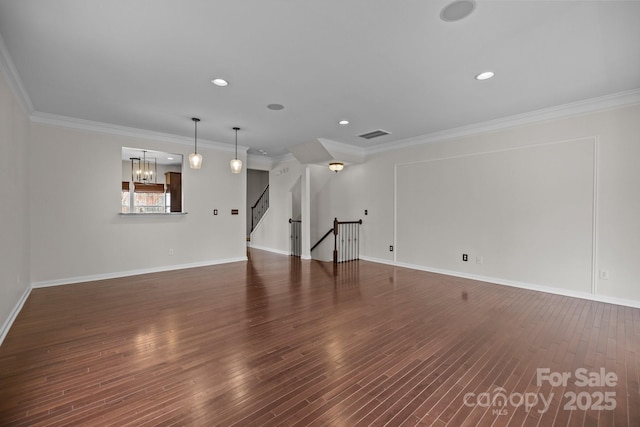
281	341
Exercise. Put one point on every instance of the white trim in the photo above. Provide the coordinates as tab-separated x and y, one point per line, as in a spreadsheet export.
592	105
275	251
395	212
589	138
8	69
594	218
512	283
92	278
89	125
13	315
287	157
350	154
259	222
263	163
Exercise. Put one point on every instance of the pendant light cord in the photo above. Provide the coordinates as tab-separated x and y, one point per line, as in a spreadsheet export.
196	137
195	121
236	129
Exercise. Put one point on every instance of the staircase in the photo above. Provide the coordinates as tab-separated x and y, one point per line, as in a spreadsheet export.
259	209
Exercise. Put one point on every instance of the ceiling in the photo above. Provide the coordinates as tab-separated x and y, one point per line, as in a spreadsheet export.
396	66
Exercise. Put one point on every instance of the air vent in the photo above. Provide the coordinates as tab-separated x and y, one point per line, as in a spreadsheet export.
374	134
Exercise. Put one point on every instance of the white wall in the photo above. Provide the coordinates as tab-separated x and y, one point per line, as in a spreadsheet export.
603	231
77	232
616	232
522	214
14	207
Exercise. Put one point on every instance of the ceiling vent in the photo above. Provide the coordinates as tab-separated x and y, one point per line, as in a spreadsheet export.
374	134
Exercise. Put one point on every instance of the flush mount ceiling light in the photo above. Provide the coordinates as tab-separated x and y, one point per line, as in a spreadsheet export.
275	107
343	122
457	10
336	166
485	75
195	159
220	82
236	164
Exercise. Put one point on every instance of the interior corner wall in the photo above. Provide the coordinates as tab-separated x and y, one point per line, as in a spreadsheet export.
77	232
273	233
615	233
14	206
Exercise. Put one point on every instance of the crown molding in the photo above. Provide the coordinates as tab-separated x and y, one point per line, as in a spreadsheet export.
91	126
606	102
8	69
350	153
254	161
283	158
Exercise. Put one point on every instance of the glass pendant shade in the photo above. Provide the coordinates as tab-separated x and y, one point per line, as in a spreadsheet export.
236	165
195	160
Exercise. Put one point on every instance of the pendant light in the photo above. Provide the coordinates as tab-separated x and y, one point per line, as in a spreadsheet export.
236	164
195	159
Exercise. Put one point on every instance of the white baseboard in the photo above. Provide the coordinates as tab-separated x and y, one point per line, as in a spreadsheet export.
14	314
512	283
93	278
275	251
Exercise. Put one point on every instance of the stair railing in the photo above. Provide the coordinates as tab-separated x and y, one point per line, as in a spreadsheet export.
295	229
346	240
258	210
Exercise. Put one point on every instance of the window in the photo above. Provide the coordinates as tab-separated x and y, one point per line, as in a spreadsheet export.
144	200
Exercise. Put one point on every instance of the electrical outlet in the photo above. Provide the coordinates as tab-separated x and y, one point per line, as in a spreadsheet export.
390	248
479	260
170	251
465	257
366	211
604	274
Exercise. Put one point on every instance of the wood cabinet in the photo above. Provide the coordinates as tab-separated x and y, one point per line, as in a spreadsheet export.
174	188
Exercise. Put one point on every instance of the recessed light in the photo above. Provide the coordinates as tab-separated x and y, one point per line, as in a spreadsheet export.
457	10
275	107
220	82
343	122
485	76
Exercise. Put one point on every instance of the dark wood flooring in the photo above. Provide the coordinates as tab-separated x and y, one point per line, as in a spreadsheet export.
279	341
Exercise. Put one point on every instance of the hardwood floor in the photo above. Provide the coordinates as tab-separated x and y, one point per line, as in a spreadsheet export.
279	341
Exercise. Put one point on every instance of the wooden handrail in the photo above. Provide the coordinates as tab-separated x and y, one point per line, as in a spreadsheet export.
348	222
258	201
264	205
322	238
